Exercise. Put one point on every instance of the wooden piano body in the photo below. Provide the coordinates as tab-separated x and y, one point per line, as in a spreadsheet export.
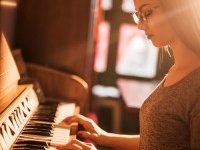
20	106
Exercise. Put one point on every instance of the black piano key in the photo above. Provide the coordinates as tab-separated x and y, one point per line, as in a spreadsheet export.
37	129
34	142
45	124
47	120
28	146
37	133
43	118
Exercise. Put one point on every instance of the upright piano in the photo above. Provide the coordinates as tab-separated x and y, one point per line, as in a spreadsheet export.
25	122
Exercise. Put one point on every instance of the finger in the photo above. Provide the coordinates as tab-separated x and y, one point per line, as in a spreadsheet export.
75	118
68	119
78	144
73	147
86	122
70	146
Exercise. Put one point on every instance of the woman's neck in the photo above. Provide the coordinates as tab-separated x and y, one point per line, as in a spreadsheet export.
185	62
184	57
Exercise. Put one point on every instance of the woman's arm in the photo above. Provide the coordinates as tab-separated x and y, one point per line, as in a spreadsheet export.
101	137
121	142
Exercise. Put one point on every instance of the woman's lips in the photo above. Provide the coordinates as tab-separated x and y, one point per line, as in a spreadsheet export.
149	36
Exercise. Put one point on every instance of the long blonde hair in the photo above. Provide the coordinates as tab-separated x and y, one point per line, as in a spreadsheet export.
184	17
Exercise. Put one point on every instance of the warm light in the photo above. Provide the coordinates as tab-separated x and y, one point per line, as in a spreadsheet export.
101	50
128	6
6	3
107	4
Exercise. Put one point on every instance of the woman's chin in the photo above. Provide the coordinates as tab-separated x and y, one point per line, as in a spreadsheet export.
157	44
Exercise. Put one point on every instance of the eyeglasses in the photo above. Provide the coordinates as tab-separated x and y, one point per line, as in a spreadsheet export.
141	16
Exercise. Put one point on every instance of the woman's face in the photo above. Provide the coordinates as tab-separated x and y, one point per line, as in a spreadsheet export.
156	26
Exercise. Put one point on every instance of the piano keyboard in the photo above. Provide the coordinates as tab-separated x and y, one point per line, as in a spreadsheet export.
29	126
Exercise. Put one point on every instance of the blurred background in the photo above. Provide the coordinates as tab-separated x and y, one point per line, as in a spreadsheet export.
96	40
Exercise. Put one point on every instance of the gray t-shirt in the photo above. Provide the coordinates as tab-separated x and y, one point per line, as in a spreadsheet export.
170	117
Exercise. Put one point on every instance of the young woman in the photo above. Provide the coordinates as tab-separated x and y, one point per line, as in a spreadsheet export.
170	117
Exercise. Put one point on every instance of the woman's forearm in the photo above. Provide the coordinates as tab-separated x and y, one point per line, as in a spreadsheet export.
121	142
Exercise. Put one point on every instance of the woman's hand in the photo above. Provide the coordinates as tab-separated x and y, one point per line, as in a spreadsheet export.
93	131
77	145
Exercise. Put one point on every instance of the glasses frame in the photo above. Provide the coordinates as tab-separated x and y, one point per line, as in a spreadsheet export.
141	16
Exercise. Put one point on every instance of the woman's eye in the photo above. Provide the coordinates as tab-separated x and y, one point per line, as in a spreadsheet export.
147	13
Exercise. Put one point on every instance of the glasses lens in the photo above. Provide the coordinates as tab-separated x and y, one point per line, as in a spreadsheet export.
135	18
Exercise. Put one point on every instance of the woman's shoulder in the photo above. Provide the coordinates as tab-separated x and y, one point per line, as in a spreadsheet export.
194	76
191	79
